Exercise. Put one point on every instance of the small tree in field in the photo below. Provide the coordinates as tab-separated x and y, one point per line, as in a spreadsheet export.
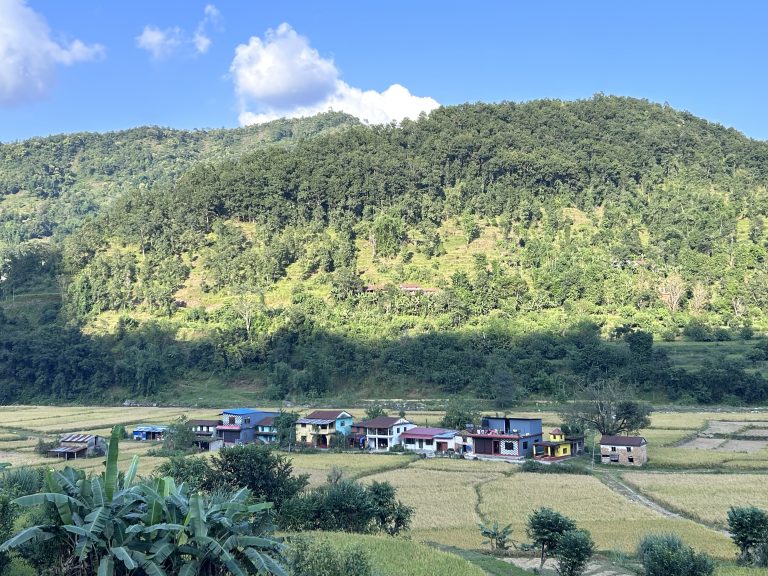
497	537
574	551
545	527
749	530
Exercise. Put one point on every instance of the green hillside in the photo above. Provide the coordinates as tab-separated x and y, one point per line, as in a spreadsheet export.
500	251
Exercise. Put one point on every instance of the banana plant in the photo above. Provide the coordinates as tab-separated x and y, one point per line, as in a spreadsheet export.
110	525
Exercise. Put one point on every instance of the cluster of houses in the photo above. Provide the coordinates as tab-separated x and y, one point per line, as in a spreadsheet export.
497	437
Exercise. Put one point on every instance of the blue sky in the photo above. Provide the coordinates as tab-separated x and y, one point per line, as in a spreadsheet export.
90	65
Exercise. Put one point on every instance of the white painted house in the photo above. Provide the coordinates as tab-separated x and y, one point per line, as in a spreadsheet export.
383	432
420	439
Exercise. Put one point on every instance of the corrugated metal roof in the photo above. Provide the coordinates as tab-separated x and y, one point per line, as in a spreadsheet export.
381	422
329	414
70	449
421	432
228	427
314	421
240	411
622	441
266	421
150	428
77	438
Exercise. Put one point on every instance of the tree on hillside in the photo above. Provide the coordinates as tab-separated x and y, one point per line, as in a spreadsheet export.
387	235
607	405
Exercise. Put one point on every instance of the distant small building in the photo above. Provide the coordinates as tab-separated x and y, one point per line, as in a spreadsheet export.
319	427
266	431
206	436
73	446
506	437
383	432
420	439
625	450
156	433
238	425
558	446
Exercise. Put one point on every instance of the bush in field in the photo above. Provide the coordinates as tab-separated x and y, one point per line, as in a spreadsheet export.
347	506
306	557
194	471
545	527
749	530
574	551
497	537
667	555
267	474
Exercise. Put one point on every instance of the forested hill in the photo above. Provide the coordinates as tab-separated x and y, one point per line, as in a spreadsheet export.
484	249
49	185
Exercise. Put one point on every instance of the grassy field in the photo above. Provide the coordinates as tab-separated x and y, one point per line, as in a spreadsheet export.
706	497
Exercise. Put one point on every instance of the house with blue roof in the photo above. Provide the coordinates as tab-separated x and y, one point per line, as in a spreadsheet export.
239	425
149	432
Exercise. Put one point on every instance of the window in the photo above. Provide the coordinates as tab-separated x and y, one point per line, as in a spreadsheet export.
231	419
629	448
303	438
428	442
631	459
525	445
247	419
613	448
303	425
509	446
410	441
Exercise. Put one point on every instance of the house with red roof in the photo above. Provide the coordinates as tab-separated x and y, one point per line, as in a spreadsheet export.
421	439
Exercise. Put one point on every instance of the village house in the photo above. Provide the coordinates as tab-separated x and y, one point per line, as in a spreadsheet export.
320	427
420	439
238	425
266	431
504	437
383	432
155	433
558	446
206	437
626	450
73	446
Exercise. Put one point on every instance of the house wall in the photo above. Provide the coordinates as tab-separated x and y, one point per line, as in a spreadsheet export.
622	454
344	425
450	444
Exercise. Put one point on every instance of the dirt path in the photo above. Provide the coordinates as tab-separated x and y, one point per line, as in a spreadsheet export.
613	482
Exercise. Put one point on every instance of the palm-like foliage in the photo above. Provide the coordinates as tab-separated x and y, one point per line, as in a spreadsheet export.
111	525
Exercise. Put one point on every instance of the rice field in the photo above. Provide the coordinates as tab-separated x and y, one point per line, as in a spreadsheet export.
398	557
352	465
706	497
615	523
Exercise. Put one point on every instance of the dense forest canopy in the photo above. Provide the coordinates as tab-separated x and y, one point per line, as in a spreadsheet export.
376	259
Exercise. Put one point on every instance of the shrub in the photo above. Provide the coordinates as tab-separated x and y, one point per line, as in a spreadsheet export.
306	557
748	526
667	555
574	551
697	331
347	506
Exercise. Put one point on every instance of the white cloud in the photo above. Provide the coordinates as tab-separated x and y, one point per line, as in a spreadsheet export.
28	55
283	76
164	43
160	43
